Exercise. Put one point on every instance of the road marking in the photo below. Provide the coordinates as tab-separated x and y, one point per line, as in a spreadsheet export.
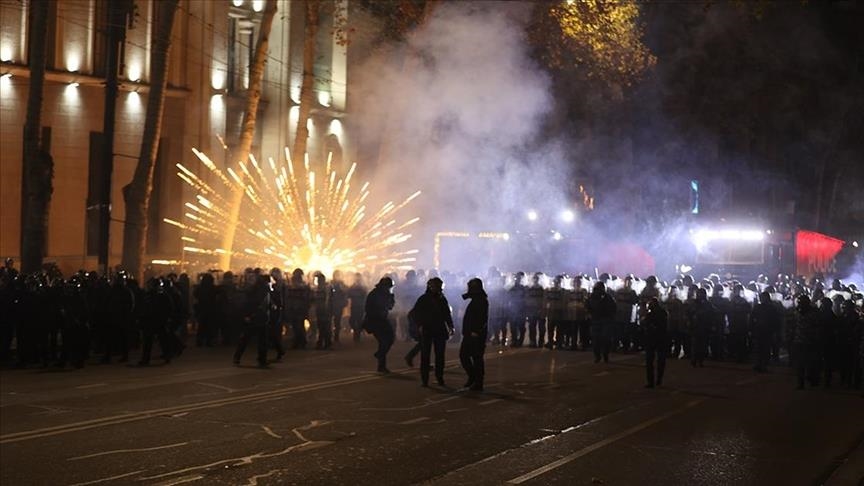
216	403
597	445
93	385
414	421
218	387
112	478
490	402
122	451
602	373
269	431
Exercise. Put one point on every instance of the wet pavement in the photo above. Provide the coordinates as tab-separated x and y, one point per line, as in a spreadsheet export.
325	417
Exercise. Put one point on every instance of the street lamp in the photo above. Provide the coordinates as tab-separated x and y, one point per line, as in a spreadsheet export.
532	215
568	216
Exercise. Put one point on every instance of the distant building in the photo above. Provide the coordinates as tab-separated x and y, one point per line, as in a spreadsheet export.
211	49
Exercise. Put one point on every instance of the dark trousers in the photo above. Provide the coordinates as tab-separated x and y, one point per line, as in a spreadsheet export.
413	352
536	330
259	334
471	356
159	331
517	331
426	345
355	321
763	352
498	328
584	328
337	326
385	337
602	344
298	331
325	336
653	353
117	341
807	364
274	329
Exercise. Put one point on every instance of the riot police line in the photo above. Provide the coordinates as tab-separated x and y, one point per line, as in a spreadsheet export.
46	320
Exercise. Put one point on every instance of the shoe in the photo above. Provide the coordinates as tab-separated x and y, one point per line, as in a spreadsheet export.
263	364
649	385
659	384
468	384
383	370
236	362
409	361
476	387
424	384
143	363
441	382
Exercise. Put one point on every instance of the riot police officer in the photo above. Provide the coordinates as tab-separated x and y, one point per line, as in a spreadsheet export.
474	334
432	314
379	303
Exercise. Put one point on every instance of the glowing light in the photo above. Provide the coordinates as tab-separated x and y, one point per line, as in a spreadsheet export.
532	215
702	237
134	72
133	102
217	104
568	216
73	84
557	236
302	215
495	236
217	80
854	244
166	262
324	98
336	127
257	5
436	259
73	61
6	80
5	53
237	3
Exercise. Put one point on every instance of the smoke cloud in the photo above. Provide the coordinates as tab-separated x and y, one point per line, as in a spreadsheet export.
458	110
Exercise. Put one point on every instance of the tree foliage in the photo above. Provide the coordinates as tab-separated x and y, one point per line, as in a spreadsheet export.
602	40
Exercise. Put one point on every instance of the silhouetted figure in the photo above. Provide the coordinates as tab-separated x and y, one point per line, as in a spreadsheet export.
432	313
806	343
298	300
655	339
474	334
256	317
379	303
156	313
601	307
357	295
765	320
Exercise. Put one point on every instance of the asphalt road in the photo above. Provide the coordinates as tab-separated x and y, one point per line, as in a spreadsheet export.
325	417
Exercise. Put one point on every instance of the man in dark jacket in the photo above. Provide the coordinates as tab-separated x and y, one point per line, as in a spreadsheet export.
296	304
806	342
601	307
656	342
433	318
765	321
379	303
256	317
474	333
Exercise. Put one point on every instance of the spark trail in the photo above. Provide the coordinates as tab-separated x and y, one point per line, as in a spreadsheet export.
292	217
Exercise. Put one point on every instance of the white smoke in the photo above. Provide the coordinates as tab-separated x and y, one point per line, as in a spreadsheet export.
457	108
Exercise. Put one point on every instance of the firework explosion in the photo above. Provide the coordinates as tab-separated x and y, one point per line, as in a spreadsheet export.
292	218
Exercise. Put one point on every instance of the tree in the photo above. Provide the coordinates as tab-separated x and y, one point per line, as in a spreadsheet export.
307	94
38	169
137	193
247	134
602	40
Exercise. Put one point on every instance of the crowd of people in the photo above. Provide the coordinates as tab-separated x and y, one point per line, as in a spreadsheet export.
49	320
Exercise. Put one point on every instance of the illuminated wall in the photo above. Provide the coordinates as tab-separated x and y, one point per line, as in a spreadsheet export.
199	110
